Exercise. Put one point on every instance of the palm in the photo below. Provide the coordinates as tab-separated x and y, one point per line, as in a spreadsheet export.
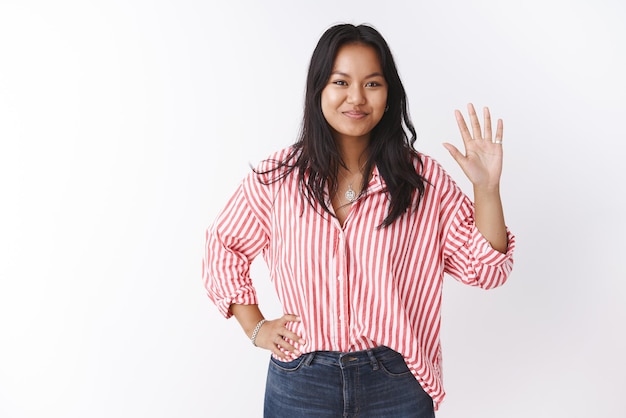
482	162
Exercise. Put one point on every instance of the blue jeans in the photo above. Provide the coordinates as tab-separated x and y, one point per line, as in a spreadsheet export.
372	383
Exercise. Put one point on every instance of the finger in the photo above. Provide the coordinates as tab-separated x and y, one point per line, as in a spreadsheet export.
476	133
487	123
286	331
460	121
281	343
281	354
293	337
454	152
290	318
499	131
285	340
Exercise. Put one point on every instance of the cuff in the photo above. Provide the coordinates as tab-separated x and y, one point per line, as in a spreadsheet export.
487	255
244	296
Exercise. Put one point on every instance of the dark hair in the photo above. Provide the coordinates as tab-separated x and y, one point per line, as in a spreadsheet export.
391	141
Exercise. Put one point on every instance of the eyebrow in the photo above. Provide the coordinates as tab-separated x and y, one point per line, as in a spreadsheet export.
376	74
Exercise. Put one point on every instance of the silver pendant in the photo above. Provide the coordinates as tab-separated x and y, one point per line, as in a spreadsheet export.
350	194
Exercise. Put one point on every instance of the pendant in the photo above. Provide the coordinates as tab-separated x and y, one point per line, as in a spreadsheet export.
350	194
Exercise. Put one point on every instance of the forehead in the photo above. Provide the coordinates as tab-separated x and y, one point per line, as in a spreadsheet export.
356	57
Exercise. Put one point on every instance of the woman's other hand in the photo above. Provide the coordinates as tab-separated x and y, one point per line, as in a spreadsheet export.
276	337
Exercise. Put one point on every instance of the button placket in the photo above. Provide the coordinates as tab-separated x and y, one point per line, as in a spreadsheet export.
341	285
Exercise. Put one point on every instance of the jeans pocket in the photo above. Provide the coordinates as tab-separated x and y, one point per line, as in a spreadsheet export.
394	365
287	366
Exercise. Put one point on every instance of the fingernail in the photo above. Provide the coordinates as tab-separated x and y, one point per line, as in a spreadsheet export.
296	352
301	341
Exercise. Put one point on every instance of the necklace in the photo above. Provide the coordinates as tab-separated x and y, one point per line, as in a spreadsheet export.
350	194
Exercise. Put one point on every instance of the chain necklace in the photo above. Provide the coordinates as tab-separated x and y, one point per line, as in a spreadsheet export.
350	194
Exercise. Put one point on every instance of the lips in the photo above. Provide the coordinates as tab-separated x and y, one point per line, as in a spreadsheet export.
355	114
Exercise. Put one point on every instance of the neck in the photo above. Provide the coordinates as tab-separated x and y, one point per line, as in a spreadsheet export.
353	153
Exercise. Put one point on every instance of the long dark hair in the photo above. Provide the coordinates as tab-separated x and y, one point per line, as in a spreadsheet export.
315	155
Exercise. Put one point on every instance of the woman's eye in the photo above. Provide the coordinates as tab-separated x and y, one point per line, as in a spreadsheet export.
372	84
340	83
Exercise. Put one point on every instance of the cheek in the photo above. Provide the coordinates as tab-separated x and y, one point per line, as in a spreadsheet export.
330	103
379	104
383	99
324	101
325	110
329	99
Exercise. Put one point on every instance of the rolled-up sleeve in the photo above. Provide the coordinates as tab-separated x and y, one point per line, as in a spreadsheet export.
233	241
468	256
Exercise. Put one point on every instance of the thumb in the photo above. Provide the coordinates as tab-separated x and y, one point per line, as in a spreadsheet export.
454	152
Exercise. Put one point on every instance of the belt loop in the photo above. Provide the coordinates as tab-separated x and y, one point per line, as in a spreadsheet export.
373	359
309	358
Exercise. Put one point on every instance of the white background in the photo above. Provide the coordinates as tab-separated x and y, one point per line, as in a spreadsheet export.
126	124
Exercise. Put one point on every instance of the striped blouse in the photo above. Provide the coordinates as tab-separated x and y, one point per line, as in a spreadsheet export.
358	286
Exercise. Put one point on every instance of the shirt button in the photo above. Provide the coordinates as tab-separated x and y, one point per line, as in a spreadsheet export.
339	278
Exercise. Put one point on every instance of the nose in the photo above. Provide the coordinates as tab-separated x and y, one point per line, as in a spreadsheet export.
355	95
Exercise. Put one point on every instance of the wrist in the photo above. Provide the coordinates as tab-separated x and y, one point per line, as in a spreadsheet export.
487	190
255	331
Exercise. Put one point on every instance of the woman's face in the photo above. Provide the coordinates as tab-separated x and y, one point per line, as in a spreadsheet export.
354	100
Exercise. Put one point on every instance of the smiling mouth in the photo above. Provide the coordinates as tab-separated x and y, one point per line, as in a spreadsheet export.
355	115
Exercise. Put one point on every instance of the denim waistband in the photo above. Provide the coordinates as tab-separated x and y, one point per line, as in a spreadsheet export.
350	359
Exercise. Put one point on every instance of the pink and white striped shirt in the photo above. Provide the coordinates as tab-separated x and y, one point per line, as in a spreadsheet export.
358	286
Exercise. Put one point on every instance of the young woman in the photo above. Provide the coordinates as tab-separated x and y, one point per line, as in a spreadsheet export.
358	229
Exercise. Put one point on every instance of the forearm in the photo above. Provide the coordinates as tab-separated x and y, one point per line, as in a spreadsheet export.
489	217
248	316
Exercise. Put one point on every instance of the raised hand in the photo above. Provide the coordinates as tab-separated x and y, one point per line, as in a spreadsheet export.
482	162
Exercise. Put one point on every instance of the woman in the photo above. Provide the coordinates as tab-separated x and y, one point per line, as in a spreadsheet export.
358	229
